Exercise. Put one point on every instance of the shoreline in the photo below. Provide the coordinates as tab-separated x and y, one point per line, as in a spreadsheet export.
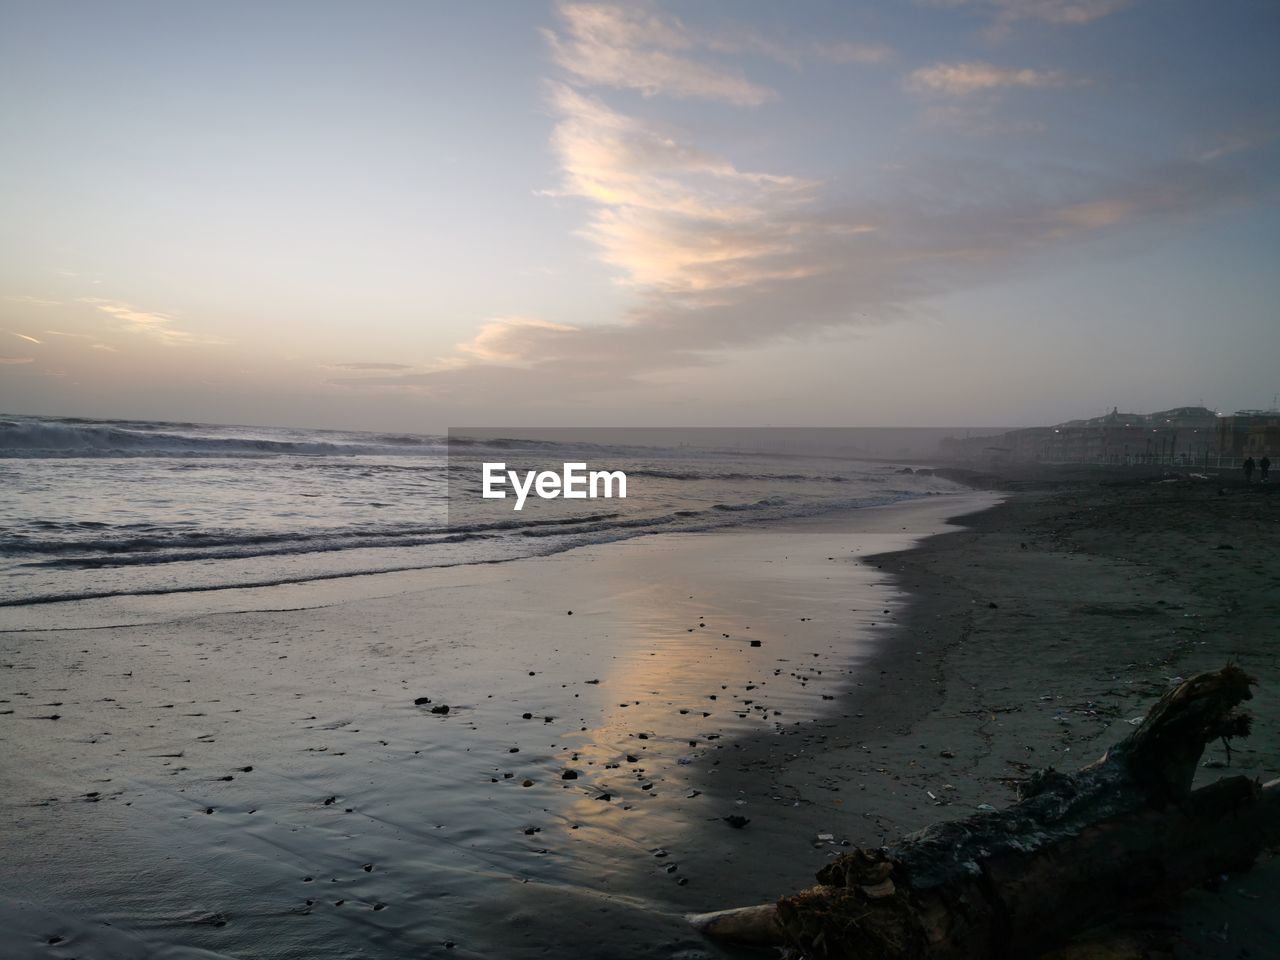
1034	635
11	607
933	702
277	731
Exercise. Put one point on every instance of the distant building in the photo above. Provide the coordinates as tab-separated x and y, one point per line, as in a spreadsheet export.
1182	434
1249	433
1194	417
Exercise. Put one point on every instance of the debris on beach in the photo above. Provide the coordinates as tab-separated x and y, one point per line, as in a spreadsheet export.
1060	862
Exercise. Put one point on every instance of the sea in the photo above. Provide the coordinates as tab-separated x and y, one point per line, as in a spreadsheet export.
101	508
303	695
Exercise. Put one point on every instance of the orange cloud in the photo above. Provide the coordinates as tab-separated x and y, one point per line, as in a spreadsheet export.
509	340
148	323
633	48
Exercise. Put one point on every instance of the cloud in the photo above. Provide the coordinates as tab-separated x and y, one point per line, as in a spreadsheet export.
22	336
632	47
672	218
16	360
845	52
639	47
1240	141
97	345
1064	12
975	117
1070	12
962	79
33	301
1167	190
150	324
371	366
721	258
795	53
935	228
509	340
1094	214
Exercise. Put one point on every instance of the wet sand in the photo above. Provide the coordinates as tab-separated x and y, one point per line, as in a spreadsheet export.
1031	637
274	773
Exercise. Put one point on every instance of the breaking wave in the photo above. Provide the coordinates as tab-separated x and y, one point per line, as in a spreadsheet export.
48	438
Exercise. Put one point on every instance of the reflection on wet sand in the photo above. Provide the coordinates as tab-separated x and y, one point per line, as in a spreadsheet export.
282	780
777	622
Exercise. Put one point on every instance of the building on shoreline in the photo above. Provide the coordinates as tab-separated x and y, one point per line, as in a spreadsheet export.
1249	433
1186	435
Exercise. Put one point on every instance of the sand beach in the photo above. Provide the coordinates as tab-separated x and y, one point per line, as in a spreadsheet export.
634	730
481	760
594	480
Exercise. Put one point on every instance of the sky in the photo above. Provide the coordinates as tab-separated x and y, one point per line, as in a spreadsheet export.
417	215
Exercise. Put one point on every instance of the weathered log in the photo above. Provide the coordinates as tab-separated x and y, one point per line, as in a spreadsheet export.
1075	852
756	926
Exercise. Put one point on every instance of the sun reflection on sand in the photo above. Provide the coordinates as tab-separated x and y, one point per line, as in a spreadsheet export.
775	627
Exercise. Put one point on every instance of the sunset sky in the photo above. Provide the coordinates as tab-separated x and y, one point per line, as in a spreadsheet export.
415	215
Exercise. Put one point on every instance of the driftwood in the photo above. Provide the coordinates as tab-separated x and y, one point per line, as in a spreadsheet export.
1076	851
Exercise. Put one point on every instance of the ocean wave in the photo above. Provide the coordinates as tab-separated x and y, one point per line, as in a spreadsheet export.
762	504
200	544
49	438
566	535
311	545
135	507
662	473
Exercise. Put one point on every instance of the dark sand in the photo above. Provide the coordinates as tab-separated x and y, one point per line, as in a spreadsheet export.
1102	596
1035	638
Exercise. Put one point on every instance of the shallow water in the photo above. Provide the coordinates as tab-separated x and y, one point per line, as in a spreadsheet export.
134	808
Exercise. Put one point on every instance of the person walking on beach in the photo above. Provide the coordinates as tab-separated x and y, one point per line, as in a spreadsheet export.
1264	467
1248	470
